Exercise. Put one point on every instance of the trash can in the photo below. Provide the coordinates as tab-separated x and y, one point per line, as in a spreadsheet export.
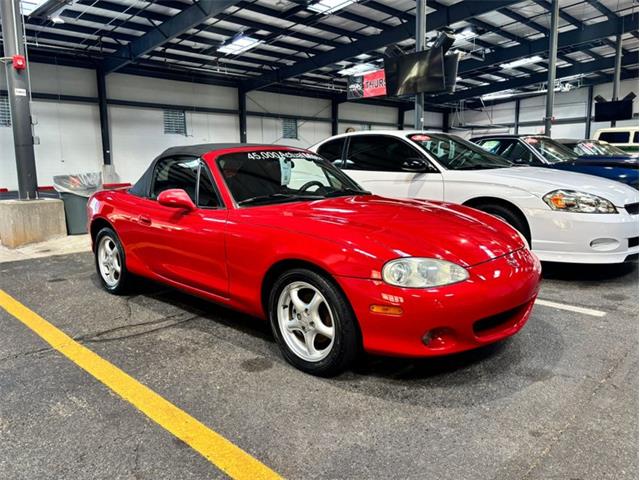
75	191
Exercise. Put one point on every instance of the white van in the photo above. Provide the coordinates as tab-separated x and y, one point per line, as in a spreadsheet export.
625	138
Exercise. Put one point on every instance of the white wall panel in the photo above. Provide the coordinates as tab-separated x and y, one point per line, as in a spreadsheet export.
267	102
492	115
269	131
8	173
69	143
432	120
361	112
137	136
157	90
63	80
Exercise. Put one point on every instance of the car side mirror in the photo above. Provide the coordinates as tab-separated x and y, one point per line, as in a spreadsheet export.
176	198
418	165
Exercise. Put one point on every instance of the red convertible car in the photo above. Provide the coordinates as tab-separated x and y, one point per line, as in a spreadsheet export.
280	233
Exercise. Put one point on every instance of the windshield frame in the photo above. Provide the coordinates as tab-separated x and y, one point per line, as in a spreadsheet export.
501	162
573	156
350	186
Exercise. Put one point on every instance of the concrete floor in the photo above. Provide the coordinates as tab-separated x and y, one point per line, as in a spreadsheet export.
557	401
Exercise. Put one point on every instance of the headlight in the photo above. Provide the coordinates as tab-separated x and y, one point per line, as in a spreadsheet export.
579	202
422	272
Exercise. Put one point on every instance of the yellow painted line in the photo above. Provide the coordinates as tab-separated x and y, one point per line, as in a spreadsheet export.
229	458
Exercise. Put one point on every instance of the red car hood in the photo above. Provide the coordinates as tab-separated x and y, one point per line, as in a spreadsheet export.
399	227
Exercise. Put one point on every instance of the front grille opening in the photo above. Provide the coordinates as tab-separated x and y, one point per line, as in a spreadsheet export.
633	242
632	208
499	321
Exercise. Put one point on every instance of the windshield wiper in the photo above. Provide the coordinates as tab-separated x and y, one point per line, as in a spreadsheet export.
278	196
347	191
482	167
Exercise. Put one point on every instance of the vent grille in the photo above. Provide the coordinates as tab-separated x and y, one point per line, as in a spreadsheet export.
290	128
175	122
631	208
5	112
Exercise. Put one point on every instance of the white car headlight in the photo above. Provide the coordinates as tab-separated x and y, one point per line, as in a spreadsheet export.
579	202
422	272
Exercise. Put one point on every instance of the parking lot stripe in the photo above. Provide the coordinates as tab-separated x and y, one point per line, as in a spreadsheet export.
214	447
571	308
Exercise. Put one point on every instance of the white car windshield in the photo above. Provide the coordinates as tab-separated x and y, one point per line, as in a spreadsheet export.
552	151
455	153
595	147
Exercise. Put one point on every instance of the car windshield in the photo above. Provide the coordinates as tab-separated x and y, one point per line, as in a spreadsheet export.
264	177
595	147
454	153
552	151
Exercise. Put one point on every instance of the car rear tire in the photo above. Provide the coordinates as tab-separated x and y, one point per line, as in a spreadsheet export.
313	323
110	262
509	216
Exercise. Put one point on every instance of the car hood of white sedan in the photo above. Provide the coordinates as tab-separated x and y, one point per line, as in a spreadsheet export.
540	181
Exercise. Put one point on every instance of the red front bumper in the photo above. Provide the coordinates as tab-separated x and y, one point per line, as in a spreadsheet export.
494	303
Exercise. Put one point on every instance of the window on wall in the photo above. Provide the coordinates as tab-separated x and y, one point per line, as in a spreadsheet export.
5	112
290	128
175	122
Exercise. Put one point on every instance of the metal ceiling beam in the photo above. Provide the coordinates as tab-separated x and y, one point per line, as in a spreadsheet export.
626	75
571	38
438	19
564	15
182	46
61	37
602	9
520	82
524	20
175	26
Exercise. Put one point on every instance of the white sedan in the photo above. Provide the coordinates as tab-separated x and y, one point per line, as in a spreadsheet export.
565	216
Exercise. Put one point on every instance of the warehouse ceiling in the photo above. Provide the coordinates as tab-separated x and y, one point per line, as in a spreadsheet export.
301	46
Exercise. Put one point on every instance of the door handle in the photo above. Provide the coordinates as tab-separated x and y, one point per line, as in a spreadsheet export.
144	220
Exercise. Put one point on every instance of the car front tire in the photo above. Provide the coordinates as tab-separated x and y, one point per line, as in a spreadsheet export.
509	216
313	323
110	262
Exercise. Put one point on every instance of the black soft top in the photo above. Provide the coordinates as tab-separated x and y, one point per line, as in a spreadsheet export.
202	148
142	186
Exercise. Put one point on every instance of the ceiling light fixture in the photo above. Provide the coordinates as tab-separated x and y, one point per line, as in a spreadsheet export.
466	34
498	95
239	44
521	62
357	70
329	6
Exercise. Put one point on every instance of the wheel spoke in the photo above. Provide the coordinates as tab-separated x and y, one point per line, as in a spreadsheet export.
322	329
309	336
314	304
294	294
116	264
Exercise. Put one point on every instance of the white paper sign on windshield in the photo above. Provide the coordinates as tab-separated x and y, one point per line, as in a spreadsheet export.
285	171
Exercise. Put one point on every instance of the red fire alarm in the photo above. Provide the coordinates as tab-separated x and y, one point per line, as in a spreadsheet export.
19	62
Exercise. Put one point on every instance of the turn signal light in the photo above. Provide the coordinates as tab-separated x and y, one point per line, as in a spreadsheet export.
558	201
386	309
